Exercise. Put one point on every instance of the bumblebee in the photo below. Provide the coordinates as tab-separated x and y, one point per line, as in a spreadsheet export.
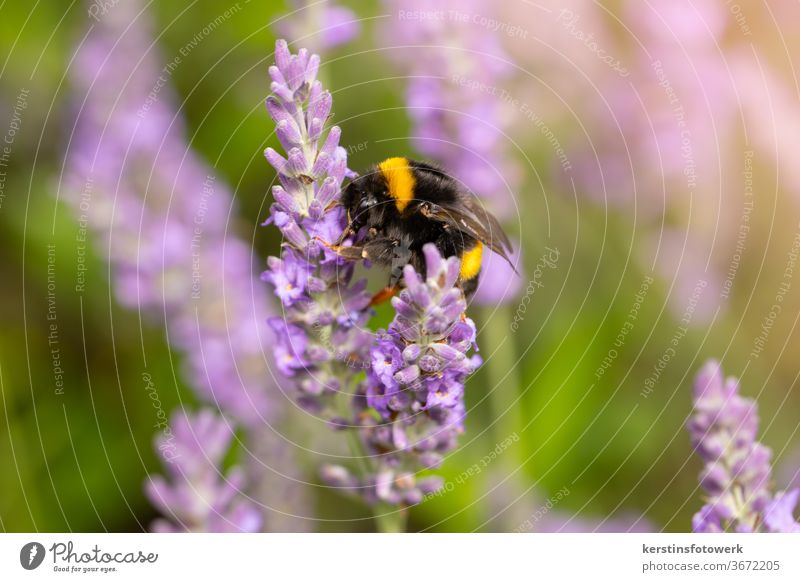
400	205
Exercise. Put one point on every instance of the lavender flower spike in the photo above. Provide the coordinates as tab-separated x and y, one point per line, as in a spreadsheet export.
322	332
416	384
160	216
199	497
737	471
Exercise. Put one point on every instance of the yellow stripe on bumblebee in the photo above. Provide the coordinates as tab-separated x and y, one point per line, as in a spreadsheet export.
471	262
400	179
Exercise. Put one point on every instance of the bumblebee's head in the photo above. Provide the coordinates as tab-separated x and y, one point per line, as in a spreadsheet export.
390	183
362	195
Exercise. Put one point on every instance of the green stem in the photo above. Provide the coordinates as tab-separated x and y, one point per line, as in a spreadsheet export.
354	442
389	519
504	396
357	450
502	372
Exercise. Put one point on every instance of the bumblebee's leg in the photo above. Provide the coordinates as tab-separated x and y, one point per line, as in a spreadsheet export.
381	251
348	230
396	254
351	253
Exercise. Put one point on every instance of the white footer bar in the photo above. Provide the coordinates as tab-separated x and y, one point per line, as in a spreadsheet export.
400	557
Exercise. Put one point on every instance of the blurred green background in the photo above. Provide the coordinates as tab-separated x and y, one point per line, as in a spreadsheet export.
77	461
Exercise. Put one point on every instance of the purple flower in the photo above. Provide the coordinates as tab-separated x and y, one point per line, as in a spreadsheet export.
289	278
416	383
323	343
160	216
707	520
199	496
290	351
322	330
779	515
737	472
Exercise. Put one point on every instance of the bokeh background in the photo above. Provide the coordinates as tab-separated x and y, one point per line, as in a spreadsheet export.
646	149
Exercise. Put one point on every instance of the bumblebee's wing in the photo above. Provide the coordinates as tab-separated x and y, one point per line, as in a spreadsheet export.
476	218
465	220
489	219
